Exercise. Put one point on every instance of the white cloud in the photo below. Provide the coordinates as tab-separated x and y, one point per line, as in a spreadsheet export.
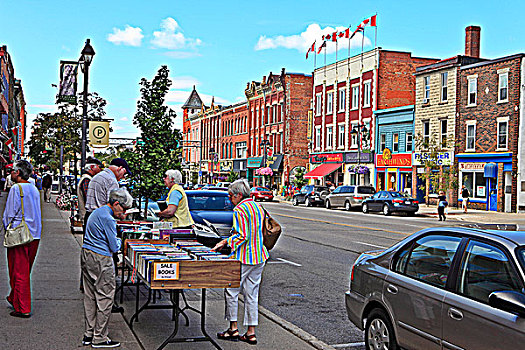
301	42
181	54
171	37
130	36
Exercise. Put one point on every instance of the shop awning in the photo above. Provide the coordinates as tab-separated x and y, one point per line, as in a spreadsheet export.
490	170
276	164
322	170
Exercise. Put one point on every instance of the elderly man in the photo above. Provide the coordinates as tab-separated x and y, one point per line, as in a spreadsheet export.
93	167
177	211
98	273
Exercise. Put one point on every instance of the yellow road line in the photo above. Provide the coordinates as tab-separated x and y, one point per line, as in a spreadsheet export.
337	223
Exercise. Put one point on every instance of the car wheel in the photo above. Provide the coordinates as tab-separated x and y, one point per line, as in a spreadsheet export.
327	204
295	202
307	202
347	206
379	333
365	208
386	210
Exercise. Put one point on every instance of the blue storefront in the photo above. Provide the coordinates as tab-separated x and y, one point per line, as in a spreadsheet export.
488	177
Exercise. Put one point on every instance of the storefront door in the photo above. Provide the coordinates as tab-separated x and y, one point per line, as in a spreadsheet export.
391	180
493	194
508	191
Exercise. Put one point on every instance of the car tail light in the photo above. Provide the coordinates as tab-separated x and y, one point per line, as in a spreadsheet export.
352	273
358	197
397	201
416	202
312	192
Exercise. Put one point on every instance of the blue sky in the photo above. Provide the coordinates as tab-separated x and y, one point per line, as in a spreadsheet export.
221	45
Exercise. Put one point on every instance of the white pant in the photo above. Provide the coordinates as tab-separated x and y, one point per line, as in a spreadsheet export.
251	276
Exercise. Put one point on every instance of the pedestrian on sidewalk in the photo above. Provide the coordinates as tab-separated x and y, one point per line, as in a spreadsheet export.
247	247
92	168
20	259
465	194
98	271
442	204
177	211
47	182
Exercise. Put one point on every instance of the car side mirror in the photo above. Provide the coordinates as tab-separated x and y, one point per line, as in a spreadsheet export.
508	301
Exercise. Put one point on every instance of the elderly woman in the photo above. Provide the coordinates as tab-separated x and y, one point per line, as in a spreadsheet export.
247	247
177	211
20	258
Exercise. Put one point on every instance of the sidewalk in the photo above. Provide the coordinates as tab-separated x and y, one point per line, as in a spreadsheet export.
58	322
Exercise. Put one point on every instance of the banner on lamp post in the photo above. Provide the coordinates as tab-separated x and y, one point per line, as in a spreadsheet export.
67	90
99	133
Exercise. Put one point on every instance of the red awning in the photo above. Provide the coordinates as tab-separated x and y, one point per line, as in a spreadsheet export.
322	170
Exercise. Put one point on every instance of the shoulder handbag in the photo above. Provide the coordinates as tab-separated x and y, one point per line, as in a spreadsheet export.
19	235
271	230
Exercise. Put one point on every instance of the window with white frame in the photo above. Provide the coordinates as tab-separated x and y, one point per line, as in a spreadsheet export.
342	99
408	142
318	104
317	137
329	102
472	90
355	97
366	94
354	136
426	91
471	136
395	142
443	132
503	133
341	142
241	149
444	91
426	132
503	90
329	136
382	142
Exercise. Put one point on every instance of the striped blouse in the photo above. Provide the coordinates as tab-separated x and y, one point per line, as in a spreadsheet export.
247	244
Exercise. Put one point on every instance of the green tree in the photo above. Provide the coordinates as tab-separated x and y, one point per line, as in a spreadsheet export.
232	176
159	149
299	179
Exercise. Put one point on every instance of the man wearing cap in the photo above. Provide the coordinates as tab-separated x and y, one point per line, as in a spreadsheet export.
93	167
47	182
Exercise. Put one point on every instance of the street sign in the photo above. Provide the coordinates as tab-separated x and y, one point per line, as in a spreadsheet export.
99	133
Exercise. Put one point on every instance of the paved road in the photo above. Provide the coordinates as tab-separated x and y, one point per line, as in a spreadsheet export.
308	273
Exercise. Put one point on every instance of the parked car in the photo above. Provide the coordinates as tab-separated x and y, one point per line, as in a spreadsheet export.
261	194
460	288
213	206
348	196
215	188
389	202
311	195
223	184
198	186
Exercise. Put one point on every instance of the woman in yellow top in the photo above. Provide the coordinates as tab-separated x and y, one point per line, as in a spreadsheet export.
178	210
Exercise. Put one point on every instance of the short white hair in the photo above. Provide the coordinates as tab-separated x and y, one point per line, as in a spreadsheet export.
122	196
240	186
174	175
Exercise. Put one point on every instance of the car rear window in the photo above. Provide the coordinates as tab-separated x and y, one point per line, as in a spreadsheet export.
210	202
365	190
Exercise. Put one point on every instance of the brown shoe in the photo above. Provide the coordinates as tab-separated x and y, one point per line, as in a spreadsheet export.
232	335
19	314
250	339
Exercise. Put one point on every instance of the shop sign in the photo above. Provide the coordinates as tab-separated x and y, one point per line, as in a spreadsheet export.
395	160
359	157
226	165
480	191
442	158
204	166
326	158
254	162
166	271
471	166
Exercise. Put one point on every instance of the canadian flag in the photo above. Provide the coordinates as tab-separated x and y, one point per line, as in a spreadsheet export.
9	143
310	49
345	34
372	22
334	36
321	47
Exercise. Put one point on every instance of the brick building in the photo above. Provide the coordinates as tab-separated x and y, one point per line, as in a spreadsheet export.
277	124
345	95
234	140
435	115
488	128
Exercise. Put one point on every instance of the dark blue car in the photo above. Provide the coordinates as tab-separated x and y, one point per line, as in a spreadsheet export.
212	206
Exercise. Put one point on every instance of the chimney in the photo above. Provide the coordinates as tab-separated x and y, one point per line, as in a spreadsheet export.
472	38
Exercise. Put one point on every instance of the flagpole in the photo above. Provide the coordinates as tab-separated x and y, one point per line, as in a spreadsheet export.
349	38
325	59
335	56
315	55
362	47
375	43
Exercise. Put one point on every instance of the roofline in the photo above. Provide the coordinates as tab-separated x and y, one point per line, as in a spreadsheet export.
496	60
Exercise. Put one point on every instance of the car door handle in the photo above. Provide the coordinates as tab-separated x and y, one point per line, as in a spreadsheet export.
392	289
455	314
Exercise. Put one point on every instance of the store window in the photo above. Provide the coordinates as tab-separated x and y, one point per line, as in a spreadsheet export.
426	92
329	136
382	142
366	94
444	92
443	134
395	143
353	136
475	183
426	132
355	97
329	102
318	137
318	104
471	136
472	90
408	142
503	87
342	99
503	134
241	149
341	142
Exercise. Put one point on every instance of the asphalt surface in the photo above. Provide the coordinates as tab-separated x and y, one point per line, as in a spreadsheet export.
308	273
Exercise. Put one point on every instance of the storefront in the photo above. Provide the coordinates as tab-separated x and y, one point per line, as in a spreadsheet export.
326	169
488	177
274	162
443	160
239	166
225	166
359	166
253	164
393	172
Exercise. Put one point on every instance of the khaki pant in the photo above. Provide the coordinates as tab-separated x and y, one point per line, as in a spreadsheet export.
98	275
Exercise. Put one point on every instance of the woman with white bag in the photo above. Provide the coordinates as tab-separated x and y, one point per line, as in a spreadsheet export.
23	225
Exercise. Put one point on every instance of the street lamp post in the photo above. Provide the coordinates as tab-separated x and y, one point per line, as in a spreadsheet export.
85	61
359	130
264	144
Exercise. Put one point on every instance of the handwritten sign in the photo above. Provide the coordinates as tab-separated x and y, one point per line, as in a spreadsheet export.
166	271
